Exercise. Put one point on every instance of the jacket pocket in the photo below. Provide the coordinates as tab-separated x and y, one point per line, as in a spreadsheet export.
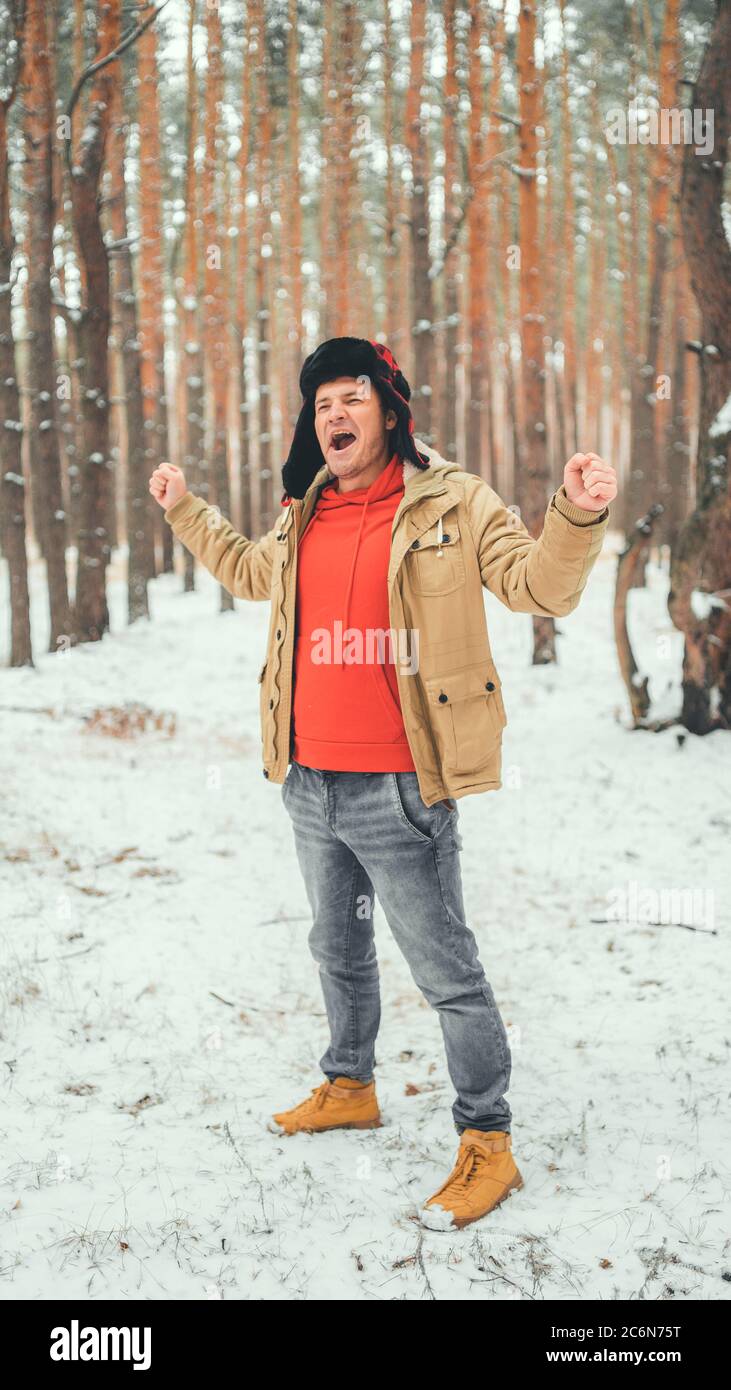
467	715
437	562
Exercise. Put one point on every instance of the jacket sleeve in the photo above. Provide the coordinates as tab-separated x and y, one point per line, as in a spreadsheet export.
242	566
545	576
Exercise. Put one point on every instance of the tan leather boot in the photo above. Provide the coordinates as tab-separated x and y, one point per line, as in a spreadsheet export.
339	1104
483	1175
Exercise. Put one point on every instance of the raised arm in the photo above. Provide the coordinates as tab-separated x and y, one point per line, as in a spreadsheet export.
547	575
242	566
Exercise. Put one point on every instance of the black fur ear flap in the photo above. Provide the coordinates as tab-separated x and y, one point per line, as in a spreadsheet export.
301	465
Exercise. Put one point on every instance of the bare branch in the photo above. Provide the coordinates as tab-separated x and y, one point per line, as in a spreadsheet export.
125	42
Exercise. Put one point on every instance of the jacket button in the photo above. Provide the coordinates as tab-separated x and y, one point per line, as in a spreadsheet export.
271	704
279	633
445	537
489	685
415	544
443	698
266	774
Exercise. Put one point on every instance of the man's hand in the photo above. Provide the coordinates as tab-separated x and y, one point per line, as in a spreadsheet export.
590	482
168	485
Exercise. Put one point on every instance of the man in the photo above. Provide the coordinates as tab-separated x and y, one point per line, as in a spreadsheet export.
383	542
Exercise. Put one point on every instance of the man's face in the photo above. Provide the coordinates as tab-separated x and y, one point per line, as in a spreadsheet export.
351	425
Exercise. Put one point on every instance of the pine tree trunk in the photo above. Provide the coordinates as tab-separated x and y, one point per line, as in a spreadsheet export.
328	143
478	452
91	612
534	479
242	280
294	231
448	405
422	322
12	484
195	463
677	445
151	273
216	341
38	103
702	557
391	235
263	249
124	317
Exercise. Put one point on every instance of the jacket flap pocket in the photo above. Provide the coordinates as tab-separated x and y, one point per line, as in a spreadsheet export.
461	685
431	537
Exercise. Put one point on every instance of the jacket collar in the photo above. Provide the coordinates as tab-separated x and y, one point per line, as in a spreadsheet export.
419	484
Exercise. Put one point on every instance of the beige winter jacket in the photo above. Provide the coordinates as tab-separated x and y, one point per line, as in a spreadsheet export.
452	705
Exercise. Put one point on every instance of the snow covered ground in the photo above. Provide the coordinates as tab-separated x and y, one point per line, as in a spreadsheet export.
158	999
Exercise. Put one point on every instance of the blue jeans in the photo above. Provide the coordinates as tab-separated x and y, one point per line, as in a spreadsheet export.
358	834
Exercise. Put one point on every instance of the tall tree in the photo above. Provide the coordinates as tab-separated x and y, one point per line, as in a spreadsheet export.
263	252
702	558
678	477
596	309
479	449
125	327
328	145
452	221
645	472
194	455
567	259
341	171
422	309
38	107
293	245
215	318
534	475
151	268
12	483
390	241
240	298
87	160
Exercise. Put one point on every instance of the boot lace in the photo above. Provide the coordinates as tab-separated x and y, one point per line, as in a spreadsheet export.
315	1100
465	1170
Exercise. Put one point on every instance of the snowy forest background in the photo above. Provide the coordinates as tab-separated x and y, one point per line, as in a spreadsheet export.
179	226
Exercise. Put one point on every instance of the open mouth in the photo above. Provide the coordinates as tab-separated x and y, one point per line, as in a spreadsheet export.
342	441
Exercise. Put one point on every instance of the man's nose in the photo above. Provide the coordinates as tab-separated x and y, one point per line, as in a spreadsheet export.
334	415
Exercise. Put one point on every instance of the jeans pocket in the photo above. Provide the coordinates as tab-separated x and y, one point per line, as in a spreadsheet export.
411	810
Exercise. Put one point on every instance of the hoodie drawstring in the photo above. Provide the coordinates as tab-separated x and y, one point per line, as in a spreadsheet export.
349	589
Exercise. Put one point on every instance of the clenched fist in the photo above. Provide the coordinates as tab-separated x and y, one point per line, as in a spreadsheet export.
590	482
168	485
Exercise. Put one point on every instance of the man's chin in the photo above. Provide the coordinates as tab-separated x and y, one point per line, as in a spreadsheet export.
345	468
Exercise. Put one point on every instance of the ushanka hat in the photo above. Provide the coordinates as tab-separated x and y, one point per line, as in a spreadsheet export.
356	357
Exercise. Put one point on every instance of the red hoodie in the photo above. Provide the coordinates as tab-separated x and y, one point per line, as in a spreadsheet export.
346	708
